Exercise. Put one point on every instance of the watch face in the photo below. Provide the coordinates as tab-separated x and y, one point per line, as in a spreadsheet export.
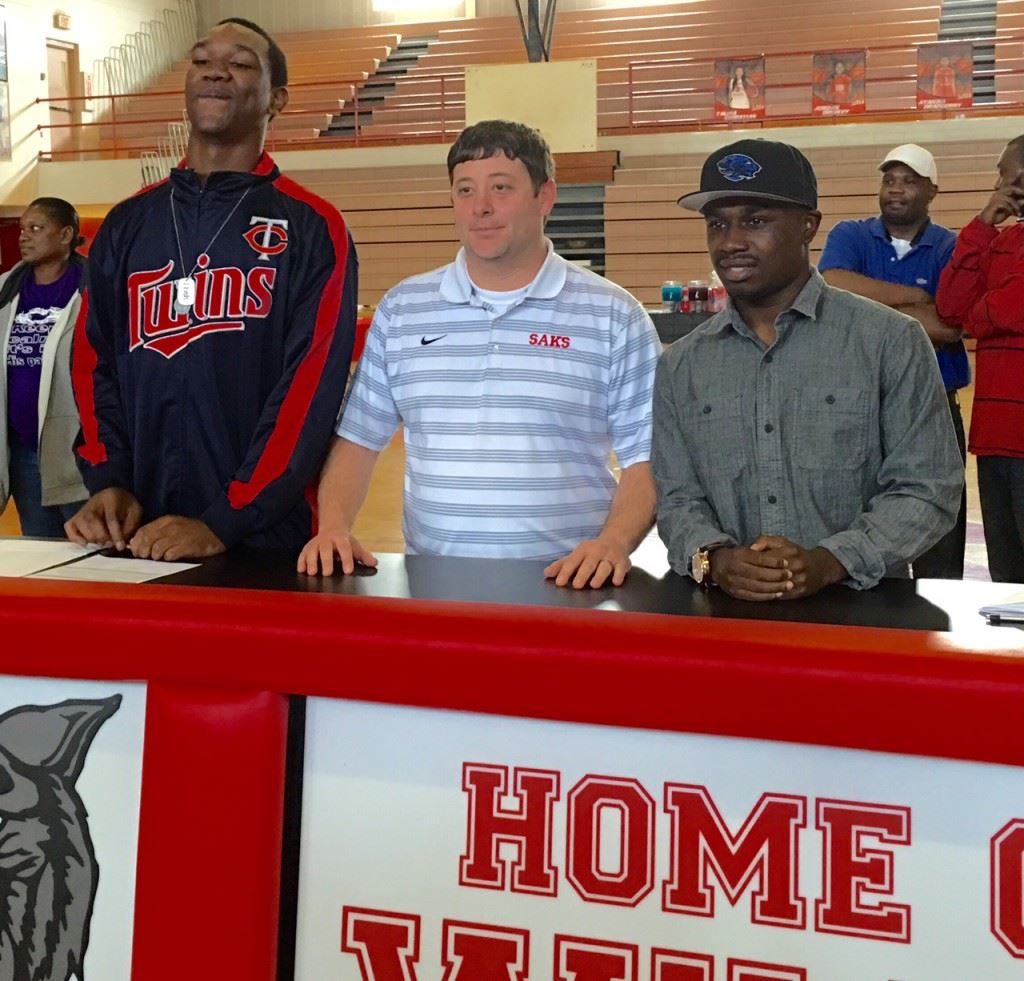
699	566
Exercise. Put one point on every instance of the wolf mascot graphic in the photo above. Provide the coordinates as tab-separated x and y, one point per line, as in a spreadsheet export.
48	869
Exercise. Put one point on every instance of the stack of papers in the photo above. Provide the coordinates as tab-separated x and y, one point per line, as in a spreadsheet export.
1012	608
24	556
41	559
103	568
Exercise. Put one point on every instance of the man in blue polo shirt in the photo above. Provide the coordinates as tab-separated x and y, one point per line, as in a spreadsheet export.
896	259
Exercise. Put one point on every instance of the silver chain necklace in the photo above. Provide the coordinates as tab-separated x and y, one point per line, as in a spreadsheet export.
185	286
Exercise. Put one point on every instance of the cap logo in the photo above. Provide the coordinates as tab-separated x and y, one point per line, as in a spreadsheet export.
739	167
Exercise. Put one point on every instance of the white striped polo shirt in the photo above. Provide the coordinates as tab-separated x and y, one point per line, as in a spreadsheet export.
508	418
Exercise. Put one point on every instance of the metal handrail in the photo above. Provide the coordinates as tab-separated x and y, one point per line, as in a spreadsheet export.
636	92
118	124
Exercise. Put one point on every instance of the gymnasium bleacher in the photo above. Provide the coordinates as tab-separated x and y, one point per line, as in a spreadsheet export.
654	67
655	63
1009	53
649	239
402	218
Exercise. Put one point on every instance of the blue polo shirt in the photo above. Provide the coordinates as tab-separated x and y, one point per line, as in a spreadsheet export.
864	247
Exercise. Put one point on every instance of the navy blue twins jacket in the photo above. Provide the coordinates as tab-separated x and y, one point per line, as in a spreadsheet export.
221	410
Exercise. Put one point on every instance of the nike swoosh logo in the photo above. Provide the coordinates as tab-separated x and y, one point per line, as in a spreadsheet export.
424	340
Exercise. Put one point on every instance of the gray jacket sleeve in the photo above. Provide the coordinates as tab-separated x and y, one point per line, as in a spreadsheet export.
922	474
686	519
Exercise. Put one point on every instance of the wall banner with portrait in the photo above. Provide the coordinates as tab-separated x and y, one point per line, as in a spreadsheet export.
944	75
837	82
739	88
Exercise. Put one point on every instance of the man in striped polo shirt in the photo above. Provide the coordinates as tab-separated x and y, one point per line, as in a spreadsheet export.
514	374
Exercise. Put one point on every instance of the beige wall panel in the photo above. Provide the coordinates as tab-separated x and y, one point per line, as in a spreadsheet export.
427	254
524	93
387	218
311	15
377	200
276	16
500	8
389	234
295	16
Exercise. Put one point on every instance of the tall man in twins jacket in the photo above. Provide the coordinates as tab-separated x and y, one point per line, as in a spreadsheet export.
211	363
801	436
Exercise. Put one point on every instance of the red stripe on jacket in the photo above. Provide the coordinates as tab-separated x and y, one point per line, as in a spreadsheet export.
280	445
83	364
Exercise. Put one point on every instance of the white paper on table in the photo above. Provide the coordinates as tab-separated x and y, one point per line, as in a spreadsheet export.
101	568
24	556
1011	608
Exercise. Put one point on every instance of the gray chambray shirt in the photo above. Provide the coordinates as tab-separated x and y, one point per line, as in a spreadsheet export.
838	435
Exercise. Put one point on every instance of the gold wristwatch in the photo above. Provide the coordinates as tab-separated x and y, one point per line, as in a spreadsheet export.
700	565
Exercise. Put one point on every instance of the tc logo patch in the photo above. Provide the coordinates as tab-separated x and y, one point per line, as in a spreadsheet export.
738	167
268	236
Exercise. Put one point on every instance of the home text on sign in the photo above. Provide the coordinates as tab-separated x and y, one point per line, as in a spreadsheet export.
516	807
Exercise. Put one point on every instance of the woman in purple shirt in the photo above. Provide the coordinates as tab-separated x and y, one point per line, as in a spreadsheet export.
39	301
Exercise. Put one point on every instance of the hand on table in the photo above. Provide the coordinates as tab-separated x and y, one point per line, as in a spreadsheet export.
173	537
591	563
318	553
109	518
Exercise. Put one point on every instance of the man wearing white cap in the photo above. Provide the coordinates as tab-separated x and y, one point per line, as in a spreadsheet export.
896	259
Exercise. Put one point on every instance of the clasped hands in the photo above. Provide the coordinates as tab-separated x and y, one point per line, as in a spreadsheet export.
772	568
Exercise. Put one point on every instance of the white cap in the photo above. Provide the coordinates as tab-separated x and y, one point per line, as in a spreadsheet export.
917	158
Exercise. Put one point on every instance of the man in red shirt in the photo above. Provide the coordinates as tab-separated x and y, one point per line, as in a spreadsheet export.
840	86
982	288
944	80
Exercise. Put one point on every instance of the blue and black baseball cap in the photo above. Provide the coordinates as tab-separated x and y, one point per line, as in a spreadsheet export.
755	169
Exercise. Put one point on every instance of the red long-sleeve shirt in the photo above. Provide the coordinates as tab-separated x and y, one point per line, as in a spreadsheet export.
983	289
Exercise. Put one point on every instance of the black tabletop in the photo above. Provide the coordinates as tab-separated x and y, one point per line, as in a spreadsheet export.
901	603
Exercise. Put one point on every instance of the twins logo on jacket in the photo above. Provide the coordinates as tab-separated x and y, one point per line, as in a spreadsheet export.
225	297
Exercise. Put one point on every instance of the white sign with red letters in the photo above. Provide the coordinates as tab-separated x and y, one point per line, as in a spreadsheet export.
450	846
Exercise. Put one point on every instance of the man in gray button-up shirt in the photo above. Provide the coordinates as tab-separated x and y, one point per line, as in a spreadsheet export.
801	436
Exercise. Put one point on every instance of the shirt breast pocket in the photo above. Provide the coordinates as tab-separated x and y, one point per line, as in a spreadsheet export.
832	423
715	434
